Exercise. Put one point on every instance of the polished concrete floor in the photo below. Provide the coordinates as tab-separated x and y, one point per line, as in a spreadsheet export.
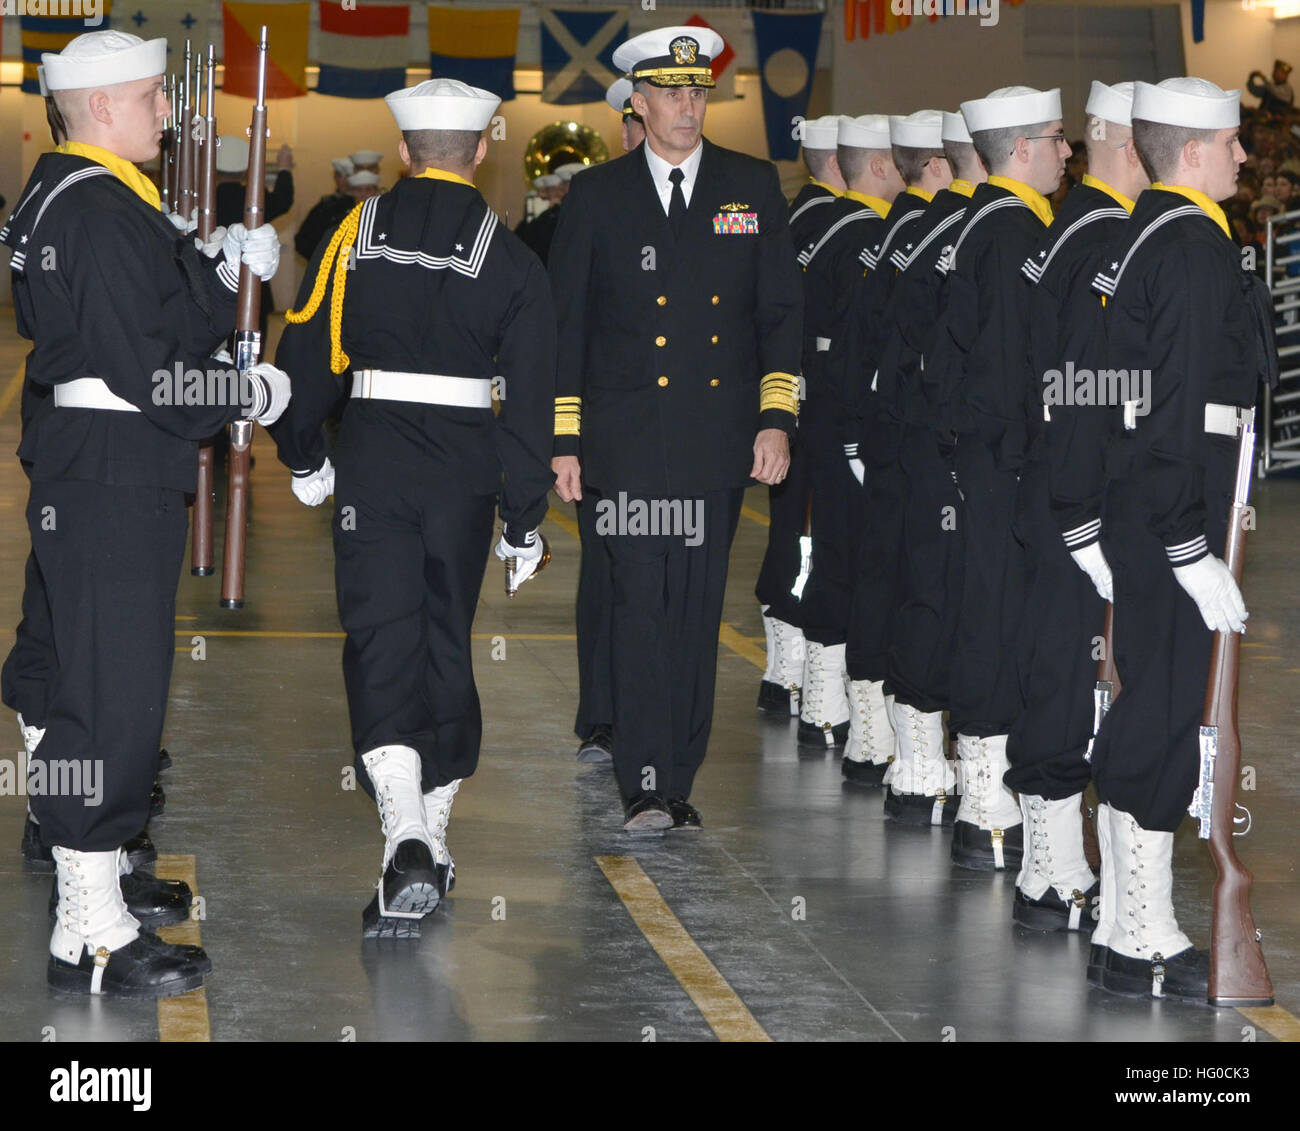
798	913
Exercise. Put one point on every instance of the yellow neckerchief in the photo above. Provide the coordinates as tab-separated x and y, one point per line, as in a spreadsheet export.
1115	195
1212	210
1038	203
829	188
872	202
915	191
442	175
962	186
121	168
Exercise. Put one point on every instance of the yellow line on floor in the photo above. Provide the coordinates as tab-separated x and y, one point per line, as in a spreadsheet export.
185	1017
742	646
563	521
270	635
726	1014
755	516
1274	1020
12	389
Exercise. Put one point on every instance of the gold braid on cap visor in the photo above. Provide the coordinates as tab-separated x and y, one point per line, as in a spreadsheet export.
675	76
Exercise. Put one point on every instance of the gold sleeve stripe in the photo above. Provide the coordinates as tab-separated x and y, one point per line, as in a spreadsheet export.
568	416
779	391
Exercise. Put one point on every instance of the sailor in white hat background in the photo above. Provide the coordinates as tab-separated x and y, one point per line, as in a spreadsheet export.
921	783
828	429
980	364
328	212
119	297
366	159
873	440
788	543
679	314
618	95
1067	579
1179	305
540	230
420	301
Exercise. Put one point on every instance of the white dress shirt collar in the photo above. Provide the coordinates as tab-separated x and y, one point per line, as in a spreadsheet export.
659	170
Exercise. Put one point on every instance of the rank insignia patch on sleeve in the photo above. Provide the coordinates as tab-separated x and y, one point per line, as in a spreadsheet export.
735	223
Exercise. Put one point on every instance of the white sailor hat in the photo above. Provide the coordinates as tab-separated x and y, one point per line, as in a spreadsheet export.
440	104
232	153
1196	103
867	131
343	166
954	127
40	78
369	156
823	132
547	180
619	94
567	172
671	56
363	178
922	130
103	58
1010	106
1111	103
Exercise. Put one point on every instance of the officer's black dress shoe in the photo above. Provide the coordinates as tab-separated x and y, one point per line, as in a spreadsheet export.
918	808
145	967
1184	977
1052	913
684	814
157	799
1096	960
164	760
154	902
37	856
811	735
870	774
647	812
411	887
972	847
598	746
774	699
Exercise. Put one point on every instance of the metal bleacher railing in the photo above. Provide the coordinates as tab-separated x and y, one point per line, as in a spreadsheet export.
1280	448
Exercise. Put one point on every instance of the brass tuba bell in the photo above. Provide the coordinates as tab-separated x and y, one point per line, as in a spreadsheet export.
562	143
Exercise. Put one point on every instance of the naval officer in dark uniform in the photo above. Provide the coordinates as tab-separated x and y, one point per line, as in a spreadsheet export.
441	302
679	312
114	301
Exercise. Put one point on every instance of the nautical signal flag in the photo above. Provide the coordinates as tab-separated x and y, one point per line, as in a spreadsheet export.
476	46
287	26
578	52
362	49
51	33
787	55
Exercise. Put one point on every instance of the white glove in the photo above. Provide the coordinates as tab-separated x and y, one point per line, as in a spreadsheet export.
1093	562
181	224
313	487
1211	585
270	390
526	556
223	355
260	249
215	241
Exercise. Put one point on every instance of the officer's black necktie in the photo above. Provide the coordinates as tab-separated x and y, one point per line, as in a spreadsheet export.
677	205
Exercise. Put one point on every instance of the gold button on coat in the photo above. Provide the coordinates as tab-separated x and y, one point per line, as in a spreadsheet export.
715	339
662	300
663	381
715	382
661	340
715	300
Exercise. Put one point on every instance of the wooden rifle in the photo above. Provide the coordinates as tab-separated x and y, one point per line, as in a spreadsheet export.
201	554
248	352
1238	975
